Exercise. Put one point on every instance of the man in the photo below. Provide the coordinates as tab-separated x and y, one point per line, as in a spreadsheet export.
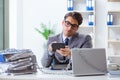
70	25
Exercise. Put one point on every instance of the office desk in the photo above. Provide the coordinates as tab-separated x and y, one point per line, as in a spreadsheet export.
41	76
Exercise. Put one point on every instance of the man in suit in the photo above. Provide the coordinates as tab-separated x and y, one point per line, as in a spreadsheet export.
70	25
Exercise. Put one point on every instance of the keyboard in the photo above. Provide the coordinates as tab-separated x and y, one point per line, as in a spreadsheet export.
59	72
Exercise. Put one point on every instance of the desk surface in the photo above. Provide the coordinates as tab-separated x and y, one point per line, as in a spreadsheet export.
41	76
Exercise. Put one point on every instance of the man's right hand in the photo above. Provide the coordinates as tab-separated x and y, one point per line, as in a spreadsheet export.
50	47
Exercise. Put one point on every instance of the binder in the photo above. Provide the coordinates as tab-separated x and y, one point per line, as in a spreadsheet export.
70	5
89	5
109	19
91	20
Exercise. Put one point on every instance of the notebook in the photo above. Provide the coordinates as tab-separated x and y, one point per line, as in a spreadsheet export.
89	61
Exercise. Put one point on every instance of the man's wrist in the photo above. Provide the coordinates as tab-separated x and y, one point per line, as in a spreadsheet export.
69	54
51	53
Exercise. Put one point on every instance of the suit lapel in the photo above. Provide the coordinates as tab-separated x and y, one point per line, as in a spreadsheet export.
60	38
73	41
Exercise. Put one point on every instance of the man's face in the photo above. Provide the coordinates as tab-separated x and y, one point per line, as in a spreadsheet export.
70	26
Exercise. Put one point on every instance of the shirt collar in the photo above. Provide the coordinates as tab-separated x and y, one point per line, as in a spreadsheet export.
66	37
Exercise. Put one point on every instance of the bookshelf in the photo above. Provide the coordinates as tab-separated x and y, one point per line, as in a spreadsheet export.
113	29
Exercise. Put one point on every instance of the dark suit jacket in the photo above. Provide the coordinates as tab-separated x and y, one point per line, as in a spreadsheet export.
76	41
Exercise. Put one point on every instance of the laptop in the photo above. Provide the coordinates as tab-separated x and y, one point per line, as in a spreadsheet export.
89	61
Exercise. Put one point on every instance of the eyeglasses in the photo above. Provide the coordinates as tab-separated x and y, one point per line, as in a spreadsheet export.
73	26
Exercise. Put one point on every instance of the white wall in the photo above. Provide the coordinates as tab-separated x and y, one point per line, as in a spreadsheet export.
30	13
12	23
35	12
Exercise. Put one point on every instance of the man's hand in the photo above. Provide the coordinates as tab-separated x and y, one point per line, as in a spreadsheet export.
64	51
50	47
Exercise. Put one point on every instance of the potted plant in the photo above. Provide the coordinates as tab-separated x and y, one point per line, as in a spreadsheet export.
46	30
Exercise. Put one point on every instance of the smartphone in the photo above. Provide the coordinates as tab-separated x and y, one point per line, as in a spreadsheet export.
57	46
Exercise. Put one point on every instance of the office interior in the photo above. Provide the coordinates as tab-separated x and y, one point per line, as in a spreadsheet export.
19	18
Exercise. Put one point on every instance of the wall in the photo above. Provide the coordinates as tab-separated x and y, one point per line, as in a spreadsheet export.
28	15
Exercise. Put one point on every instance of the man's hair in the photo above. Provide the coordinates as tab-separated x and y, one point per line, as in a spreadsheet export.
75	15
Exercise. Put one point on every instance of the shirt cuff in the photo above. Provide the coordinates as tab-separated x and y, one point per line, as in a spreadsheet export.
51	53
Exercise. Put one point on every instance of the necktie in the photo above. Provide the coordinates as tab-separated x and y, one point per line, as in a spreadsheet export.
66	41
